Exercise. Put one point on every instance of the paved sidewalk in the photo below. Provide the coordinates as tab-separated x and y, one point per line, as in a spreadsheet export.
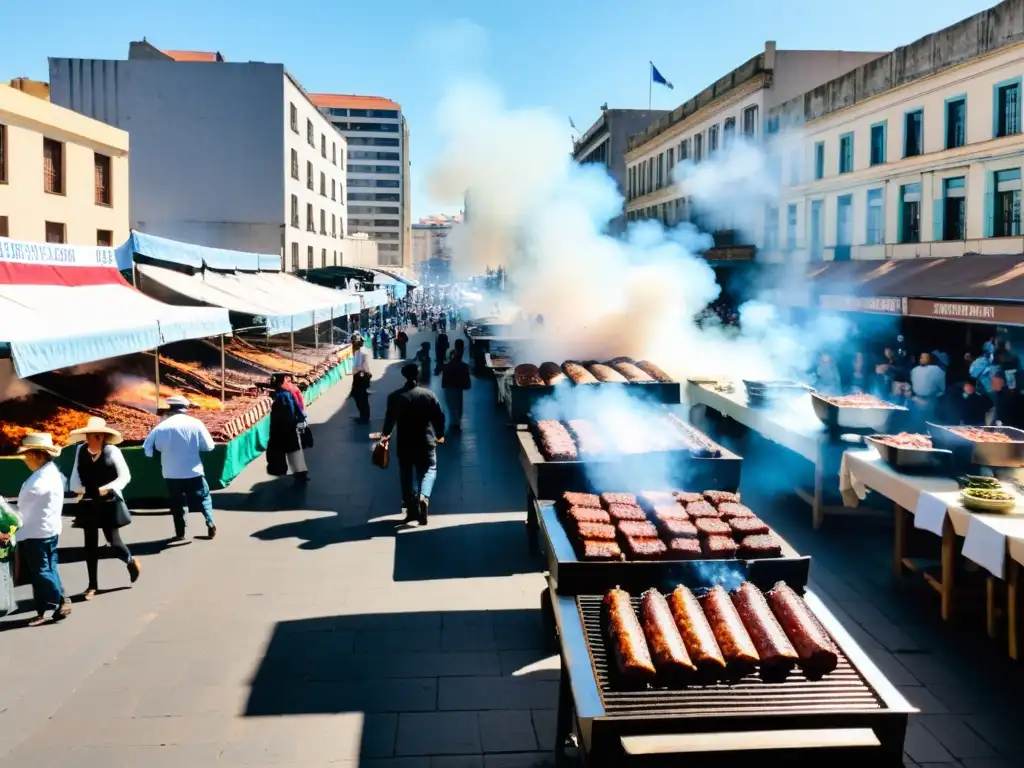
311	632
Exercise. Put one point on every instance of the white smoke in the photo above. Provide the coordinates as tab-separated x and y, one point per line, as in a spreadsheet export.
11	386
532	209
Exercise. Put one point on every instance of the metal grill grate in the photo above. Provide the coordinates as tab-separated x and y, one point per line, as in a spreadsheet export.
844	690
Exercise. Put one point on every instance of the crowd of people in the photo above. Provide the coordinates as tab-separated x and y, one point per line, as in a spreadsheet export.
29	533
976	389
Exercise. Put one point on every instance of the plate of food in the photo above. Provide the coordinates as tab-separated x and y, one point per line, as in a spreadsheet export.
985	494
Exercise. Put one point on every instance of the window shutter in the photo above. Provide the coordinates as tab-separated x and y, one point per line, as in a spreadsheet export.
937	211
990	201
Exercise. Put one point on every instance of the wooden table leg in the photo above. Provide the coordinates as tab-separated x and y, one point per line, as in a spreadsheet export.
818	507
990	606
948	568
1012	597
899	551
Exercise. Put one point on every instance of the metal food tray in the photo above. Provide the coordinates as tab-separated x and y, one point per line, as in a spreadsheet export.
912	460
982	454
875	419
550	479
852	716
568	575
768	390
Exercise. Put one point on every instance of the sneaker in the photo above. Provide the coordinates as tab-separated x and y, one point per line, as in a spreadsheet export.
134	569
211	531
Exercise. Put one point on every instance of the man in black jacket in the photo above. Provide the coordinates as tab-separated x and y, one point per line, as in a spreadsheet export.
455	380
417	413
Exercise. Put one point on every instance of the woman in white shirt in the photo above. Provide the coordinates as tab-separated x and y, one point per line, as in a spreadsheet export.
99	478
40	503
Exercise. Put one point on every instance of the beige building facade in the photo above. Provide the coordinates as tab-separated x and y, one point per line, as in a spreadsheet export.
919	154
63	176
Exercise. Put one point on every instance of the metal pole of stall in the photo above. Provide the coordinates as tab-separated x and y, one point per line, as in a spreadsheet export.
332	326
156	376
223	371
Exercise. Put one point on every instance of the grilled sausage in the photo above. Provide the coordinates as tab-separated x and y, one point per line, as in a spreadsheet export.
737	648
666	644
777	654
627	640
818	654
698	638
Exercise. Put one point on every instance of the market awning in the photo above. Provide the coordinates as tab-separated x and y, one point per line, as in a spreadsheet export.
195	275
972	287
372	299
63	305
401	278
392	285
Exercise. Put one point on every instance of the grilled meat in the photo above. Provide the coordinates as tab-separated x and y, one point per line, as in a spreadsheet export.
698	637
551	373
773	646
663	639
637	529
748	526
577	373
596	531
731	511
760	546
818	654
733	639
644	549
626	512
710	526
600	550
654	371
628	643
588	515
630	372
719	547
527	375
606	375
720	497
683	548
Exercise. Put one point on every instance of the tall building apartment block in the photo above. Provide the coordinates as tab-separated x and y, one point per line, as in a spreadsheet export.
377	171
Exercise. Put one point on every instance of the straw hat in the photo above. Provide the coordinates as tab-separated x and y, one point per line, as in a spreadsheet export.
178	401
95	426
38	441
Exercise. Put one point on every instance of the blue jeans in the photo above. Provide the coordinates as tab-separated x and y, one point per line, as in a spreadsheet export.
191	494
40	558
417	476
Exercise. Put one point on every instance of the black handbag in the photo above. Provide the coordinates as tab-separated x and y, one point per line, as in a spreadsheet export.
306	437
122	515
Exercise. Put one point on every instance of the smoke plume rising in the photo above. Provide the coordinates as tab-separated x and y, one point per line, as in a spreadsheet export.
532	209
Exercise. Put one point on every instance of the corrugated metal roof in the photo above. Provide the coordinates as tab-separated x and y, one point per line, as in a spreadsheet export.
352	101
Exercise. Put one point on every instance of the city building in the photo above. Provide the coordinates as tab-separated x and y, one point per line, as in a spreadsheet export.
378	171
604	142
63	177
919	153
227	155
735	105
430	251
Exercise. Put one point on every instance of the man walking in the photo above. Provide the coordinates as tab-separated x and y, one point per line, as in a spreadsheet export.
417	414
455	380
361	379
179	439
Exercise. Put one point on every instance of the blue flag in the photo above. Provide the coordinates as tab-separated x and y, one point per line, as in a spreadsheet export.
659	78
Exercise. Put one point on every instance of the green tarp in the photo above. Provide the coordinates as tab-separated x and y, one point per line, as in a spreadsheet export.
223	464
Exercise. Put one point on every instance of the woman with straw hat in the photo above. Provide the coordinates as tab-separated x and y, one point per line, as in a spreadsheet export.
99	478
40	504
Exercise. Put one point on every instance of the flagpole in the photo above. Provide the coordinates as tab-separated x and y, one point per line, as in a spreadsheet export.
650	84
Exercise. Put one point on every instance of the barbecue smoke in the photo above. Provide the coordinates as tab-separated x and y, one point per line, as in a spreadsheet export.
531	208
11	386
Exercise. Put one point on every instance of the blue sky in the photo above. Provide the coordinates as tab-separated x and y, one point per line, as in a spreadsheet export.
569	56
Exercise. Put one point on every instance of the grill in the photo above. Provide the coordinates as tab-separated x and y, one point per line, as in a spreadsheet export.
844	688
549	479
853	713
571	576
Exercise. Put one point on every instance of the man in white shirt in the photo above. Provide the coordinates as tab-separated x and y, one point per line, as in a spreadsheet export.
40	504
361	379
180	439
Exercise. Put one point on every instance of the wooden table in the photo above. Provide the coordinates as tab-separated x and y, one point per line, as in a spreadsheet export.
904	492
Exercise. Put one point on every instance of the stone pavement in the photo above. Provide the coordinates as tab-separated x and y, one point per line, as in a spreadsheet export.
312	633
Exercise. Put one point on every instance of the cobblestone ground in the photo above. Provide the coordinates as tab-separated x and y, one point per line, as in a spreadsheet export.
311	632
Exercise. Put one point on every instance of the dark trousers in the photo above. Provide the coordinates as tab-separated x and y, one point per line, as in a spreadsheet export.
92	549
401	349
39	558
190	494
417	474
361	394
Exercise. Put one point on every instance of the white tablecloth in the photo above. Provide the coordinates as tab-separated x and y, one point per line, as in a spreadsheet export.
987	538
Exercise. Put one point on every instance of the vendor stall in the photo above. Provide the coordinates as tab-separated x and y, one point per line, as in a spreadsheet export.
993	541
